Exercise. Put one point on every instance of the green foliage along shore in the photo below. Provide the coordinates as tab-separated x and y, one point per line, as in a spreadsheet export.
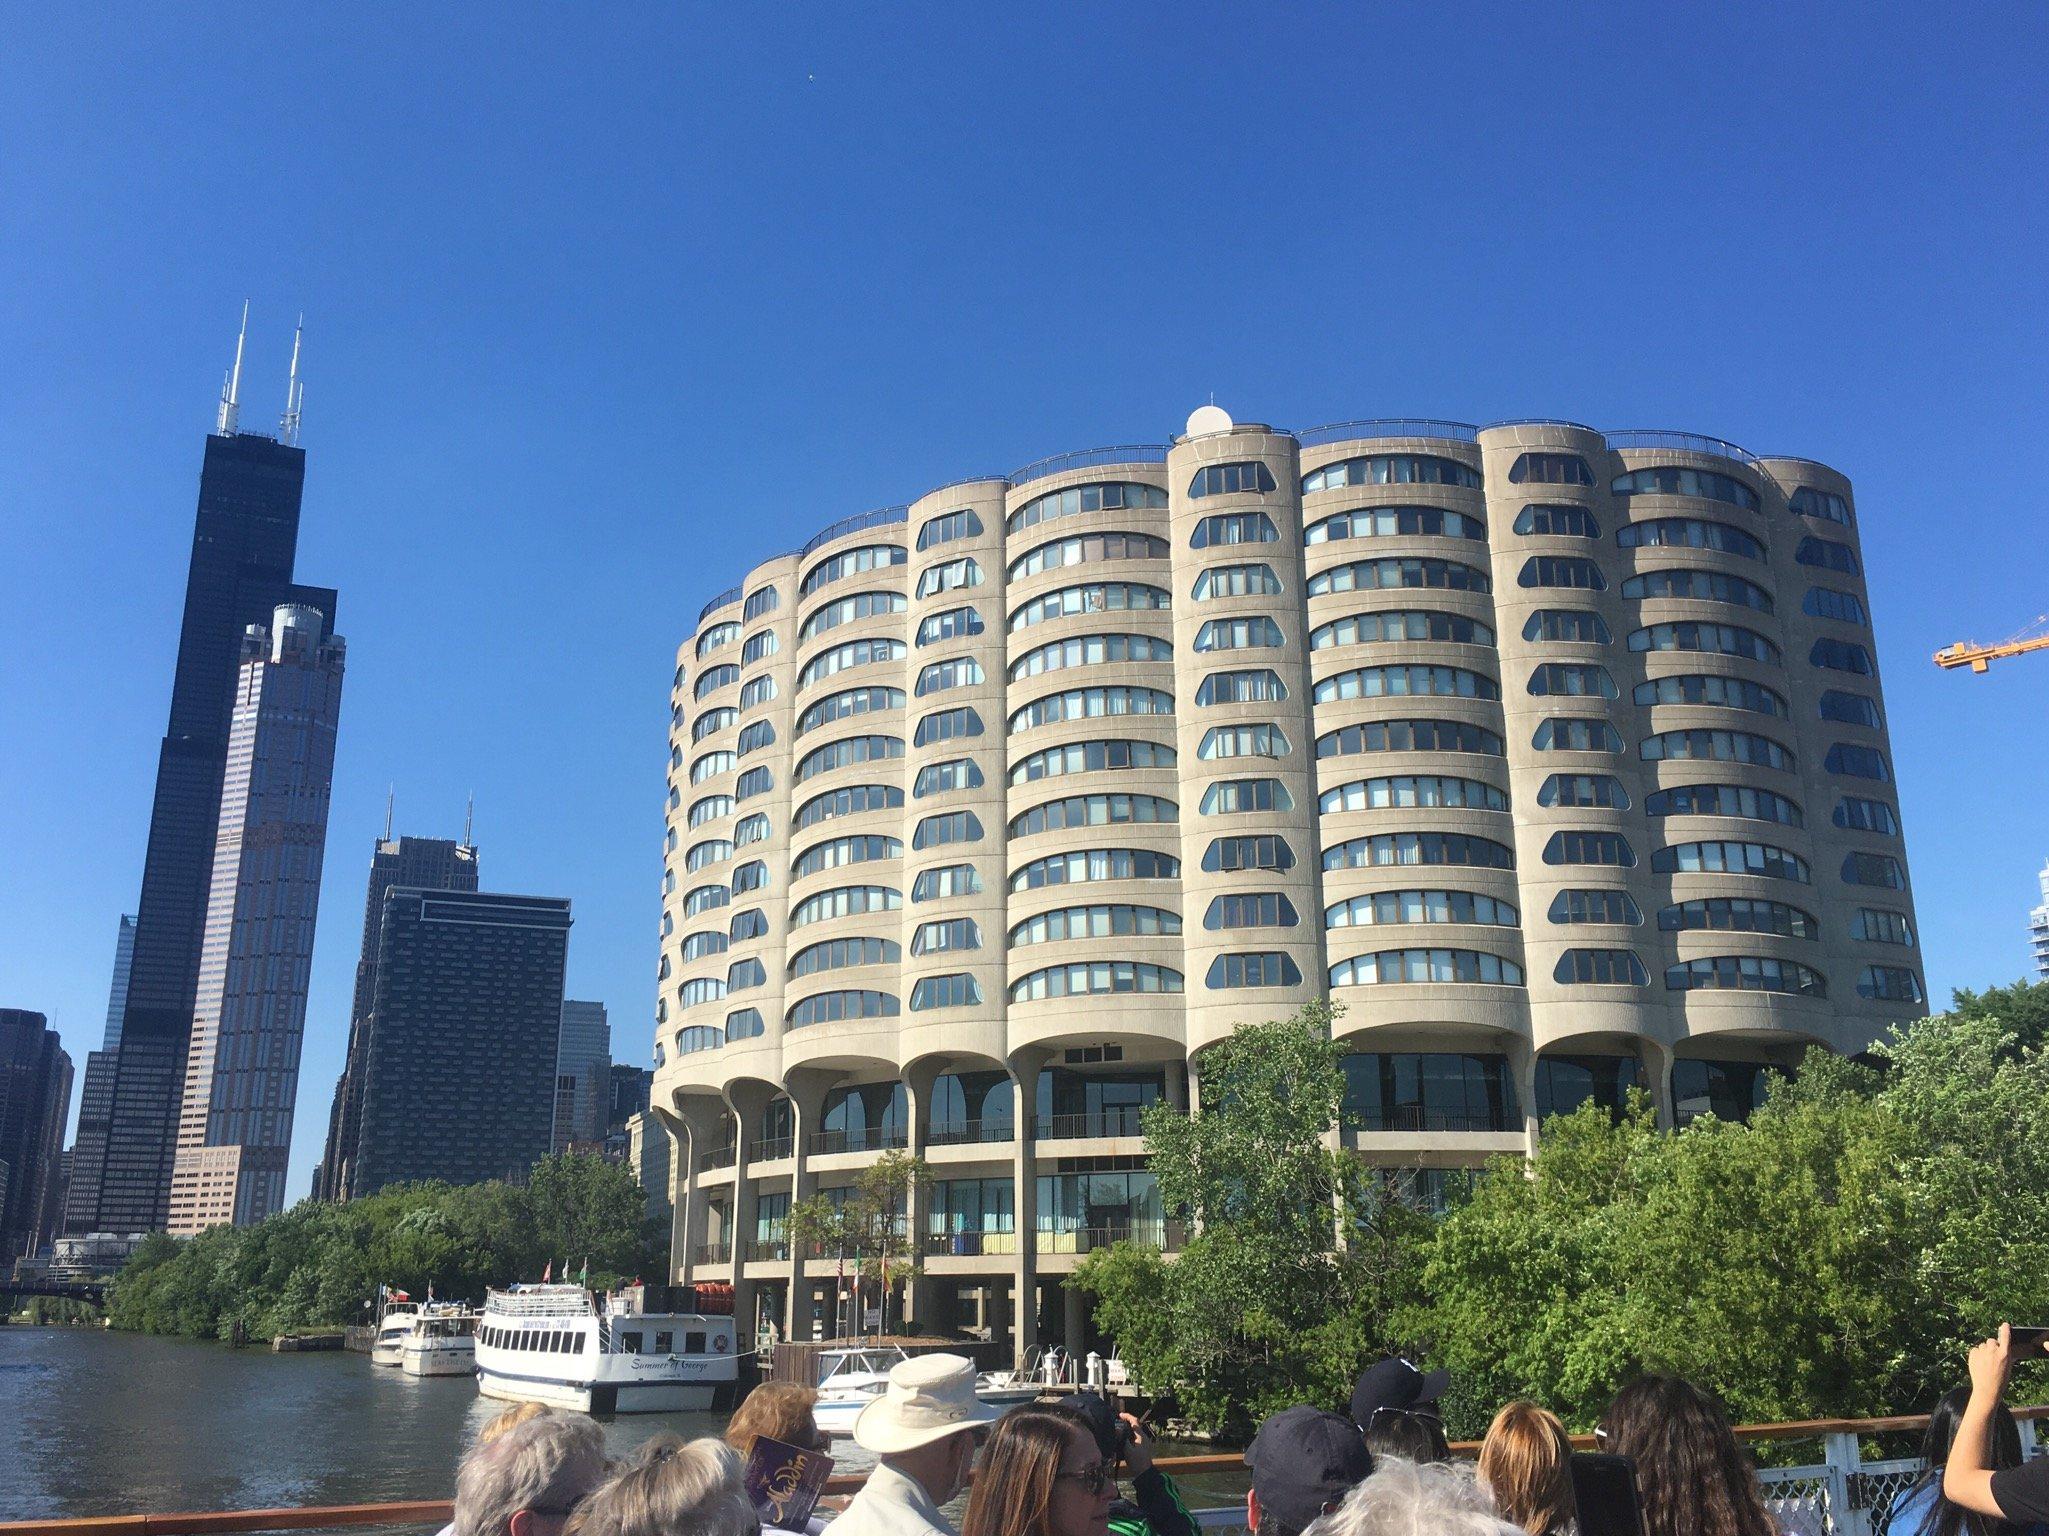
313	1265
1835	1256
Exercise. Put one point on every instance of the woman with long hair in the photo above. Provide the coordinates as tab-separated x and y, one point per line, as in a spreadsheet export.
781	1410
1526	1463
1922	1510
1041	1474
1693	1477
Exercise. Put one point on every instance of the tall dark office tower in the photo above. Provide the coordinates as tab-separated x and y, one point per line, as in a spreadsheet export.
465	1016
96	1099
424	863
35	1097
244	540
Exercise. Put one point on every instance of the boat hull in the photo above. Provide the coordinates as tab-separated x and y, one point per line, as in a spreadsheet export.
601	1396
439	1362
387	1354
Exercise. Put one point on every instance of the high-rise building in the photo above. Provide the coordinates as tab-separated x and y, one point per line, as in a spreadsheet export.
242	1068
244	540
1558	760
465	1019
2038	928
35	1100
583	1065
96	1097
649	1150
424	863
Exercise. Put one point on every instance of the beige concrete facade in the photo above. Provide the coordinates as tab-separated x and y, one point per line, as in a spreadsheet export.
1450	725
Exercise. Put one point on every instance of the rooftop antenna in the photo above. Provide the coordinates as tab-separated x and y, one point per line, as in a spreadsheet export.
295	395
469	815
390	794
231	387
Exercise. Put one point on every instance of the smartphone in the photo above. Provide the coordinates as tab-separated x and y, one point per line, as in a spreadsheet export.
1604	1487
2027	1341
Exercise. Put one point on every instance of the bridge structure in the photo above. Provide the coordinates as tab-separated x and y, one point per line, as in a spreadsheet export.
93	1291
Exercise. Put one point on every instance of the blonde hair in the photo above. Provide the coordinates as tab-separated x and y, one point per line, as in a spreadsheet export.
1526	1463
781	1410
510	1419
670	1488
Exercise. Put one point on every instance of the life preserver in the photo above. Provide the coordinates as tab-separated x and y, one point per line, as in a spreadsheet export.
721	1344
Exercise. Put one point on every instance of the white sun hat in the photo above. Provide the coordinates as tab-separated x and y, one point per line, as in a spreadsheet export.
928	1398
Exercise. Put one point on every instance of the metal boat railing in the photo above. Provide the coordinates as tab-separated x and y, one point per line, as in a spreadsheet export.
1841	1495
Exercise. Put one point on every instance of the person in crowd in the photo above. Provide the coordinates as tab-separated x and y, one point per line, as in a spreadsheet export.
1922	1510
923	1429
526	1480
509	1420
1395	1407
1303	1462
669	1487
1404	1499
1693	1477
1155	1507
1042	1474
1971	1478
1526	1464
781	1410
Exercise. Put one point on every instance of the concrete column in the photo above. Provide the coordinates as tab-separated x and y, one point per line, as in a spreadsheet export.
921	1302
806	1088
1024	1066
1070	1321
681	1185
1522	1062
1657	1069
694	1131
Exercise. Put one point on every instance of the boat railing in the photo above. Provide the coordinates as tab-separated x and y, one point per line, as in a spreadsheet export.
1845	1493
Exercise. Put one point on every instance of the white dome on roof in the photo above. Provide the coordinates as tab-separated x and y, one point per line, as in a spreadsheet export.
1205	419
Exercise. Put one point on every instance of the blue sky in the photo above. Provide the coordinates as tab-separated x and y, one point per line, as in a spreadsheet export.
603	305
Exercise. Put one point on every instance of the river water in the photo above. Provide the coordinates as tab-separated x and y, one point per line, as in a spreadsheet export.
99	1423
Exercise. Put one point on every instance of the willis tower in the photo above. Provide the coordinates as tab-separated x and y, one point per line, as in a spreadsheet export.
244	541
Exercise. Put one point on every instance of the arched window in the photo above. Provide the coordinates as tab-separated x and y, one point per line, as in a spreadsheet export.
1405	790
745	973
1087	549
1259	633
716	636
1096	864
1836	607
1858	762
842	954
1383	908
851	800
1878	869
755	735
849	609
1094	597
851	562
1717	746
710	808
711	679
1549	469
712	721
1675	480
755	781
1889	984
1438	966
1109	496
949	624
1744	973
1570	571
1730	858
1397	572
1110	920
949	827
751	829
1809	502
1091	757
959	672
1712	688
951	576
839	852
1385	849
845	901
855	653
700	990
1841	656
1738	800
703	898
1393	522
1392	469
1572	679
1234	528
1253	685
1405	682
1243	797
761	600
756	691
946	936
1092	811
1584	847
942	778
1829	555
1699	586
831	1007
1093	977
1237	581
947	527
710	765
1264	968
764	644
1688	533
1584	791
1092	651
751	924
1091	704
1400	625
1248	909
697	946
1557	521
1409	736
1247	477
958	990
1600	968
1739	914
1589	905
847	753
751	876
1571	733
946	725
944	881
1248	852
1708	639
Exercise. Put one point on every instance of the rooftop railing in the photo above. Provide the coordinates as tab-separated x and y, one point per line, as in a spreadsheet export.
1088	458
725	599
1391	426
1680	442
858	523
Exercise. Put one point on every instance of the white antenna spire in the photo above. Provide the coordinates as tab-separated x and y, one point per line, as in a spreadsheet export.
295	392
390	796
469	816
231	390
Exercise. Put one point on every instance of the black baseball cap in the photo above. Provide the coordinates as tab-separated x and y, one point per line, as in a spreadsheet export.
1304	1461
1394	1383
1102	1420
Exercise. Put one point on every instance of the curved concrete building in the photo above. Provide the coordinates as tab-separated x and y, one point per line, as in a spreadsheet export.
1557	759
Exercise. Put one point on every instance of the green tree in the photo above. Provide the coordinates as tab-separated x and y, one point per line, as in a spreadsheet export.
1296	1259
869	1226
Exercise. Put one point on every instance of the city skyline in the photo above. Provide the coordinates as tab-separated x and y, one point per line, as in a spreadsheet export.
518	478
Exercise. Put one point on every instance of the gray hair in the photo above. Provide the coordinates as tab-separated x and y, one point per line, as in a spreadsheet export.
548	1464
1403	1499
670	1488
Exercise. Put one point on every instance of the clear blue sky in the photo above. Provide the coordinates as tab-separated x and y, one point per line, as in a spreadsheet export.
602	307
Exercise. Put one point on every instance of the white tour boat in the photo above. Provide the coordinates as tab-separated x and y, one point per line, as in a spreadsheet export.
850	1379
393	1325
561	1344
441	1342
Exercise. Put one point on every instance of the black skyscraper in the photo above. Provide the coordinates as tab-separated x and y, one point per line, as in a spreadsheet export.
429	863
35	1097
243	544
459	1065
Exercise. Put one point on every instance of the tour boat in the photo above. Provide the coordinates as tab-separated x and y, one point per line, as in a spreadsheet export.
850	1379
395	1323
441	1342
563	1345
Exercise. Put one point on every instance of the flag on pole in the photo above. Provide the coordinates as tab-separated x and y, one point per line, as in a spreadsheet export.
583	1277
548	1272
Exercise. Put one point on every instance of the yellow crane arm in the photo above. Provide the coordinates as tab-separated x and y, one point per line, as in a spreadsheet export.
1967	653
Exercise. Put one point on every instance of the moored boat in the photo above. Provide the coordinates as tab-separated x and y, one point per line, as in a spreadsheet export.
392	1328
441	1342
564	1345
849	1379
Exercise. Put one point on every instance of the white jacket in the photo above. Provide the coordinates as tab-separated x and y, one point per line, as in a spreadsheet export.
891	1504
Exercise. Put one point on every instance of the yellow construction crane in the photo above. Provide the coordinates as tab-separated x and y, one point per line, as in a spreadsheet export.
1968	653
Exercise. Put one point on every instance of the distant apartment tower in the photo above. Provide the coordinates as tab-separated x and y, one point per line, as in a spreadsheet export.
583	1065
630	1087
96	1097
649	1150
423	863
244	542
242	1068
465	1022
35	1098
2038	928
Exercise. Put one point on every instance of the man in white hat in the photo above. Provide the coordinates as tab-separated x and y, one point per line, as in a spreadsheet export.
923	1427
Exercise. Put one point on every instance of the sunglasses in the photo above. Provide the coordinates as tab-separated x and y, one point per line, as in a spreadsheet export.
1093	1478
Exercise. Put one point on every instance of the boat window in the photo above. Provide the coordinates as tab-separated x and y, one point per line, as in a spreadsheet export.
693	1343
629	1343
665	1343
579	1345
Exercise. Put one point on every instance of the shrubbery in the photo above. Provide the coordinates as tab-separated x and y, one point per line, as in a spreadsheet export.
314	1264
